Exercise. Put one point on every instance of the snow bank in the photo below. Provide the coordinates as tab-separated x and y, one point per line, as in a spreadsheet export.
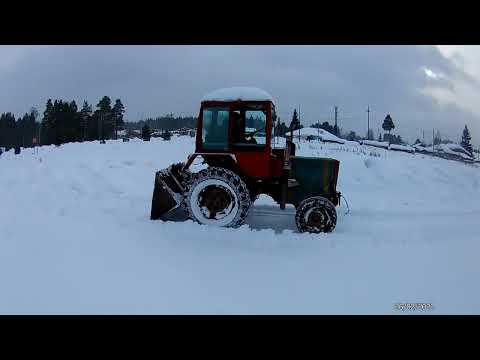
409	149
455	149
449	149
238	93
419	147
387	145
380	144
320	134
75	237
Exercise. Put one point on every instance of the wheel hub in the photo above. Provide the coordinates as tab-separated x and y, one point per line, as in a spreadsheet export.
315	218
216	199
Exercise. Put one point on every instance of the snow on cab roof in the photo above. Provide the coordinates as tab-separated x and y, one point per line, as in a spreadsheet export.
243	93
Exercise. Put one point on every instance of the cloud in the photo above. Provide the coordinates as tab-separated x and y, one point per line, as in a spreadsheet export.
154	80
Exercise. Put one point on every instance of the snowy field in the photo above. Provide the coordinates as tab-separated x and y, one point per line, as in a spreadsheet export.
75	238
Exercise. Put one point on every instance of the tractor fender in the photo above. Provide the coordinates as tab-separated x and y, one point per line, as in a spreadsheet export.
206	155
226	161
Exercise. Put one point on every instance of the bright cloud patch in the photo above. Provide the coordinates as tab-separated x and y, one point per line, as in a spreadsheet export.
430	73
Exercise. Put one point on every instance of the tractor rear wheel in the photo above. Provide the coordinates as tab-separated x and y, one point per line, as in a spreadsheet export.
315	215
218	197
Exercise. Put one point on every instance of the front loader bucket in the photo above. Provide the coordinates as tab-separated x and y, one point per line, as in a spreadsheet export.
167	200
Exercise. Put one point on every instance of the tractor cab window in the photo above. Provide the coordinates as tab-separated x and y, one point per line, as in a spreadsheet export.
215	128
249	129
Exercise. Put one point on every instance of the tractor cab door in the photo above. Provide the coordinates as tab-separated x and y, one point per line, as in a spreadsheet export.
250	138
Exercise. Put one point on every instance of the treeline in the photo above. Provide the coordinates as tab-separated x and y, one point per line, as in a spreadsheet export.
18	132
62	122
167	122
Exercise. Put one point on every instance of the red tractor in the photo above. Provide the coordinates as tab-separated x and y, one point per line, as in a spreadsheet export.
234	139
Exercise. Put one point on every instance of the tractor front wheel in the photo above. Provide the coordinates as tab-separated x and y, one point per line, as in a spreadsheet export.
218	197
315	215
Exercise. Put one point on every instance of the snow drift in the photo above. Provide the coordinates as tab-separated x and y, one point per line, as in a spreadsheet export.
319	134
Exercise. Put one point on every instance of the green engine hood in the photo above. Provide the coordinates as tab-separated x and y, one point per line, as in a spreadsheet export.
314	177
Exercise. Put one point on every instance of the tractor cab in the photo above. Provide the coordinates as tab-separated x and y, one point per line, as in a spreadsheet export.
234	138
239	123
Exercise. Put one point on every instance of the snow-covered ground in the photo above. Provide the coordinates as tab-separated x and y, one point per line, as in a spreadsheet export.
75	237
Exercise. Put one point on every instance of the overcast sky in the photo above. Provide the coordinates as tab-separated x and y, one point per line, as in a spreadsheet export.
422	87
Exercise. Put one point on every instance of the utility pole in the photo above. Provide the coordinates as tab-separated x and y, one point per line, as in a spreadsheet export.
433	140
336	116
423	137
318	131
368	122
299	122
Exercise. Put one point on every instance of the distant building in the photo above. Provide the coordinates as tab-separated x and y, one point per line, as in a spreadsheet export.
133	134
122	133
183	131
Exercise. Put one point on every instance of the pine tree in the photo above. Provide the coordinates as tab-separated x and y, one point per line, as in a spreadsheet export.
166	135
60	119
380	137
47	132
117	114
146	133
26	128
295	124
8	133
3	131
388	124
327	127
466	138
104	117
85	117
20	130
105	104
352	136
74	123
